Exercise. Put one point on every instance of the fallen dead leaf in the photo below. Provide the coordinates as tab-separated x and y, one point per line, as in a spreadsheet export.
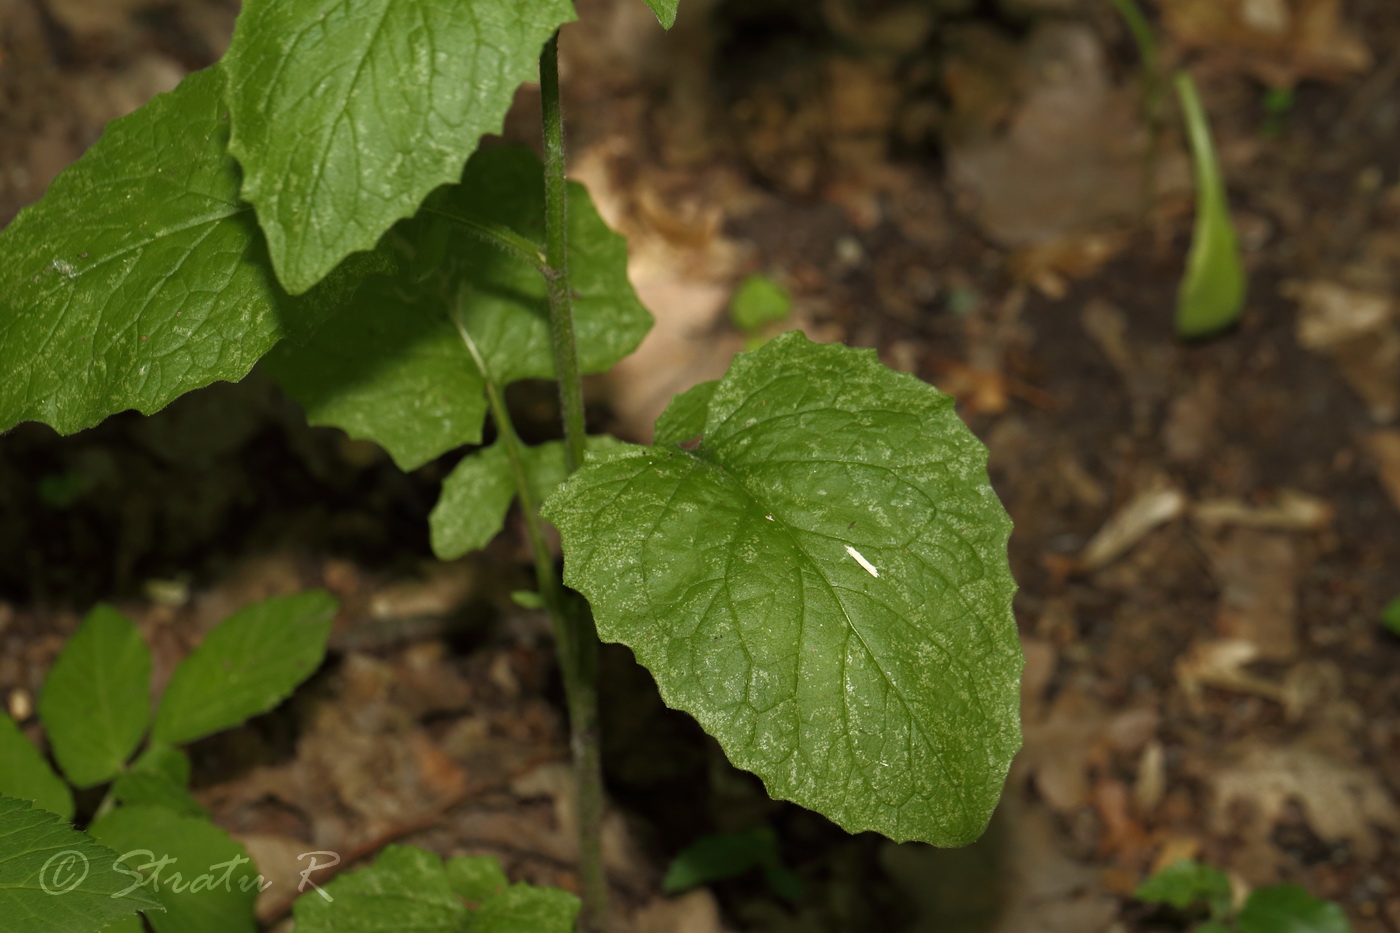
1291	511
1147	511
1222	663
1385	447
1343	801
1358	330
1278	41
1071	159
1257	573
693	912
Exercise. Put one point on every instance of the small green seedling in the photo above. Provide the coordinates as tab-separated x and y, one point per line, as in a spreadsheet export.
1212	291
1390	616
721	856
757	305
1283	908
95	707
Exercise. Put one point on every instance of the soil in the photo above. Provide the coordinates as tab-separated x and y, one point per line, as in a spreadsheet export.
1207	531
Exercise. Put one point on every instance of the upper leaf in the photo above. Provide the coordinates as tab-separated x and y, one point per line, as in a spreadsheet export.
252	661
197	872
346	114
394	368
823	584
54	879
24	774
96	702
140	275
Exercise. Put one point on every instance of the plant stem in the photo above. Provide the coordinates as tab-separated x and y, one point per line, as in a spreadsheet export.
556	239
576	642
575	634
503	238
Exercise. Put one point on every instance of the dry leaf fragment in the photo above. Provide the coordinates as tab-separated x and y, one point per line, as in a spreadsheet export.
1148	510
1343	802
1385	447
1291	511
1257	573
1357	329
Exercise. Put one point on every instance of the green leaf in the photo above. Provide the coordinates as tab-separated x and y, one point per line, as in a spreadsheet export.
54	879
758	302
203	878
96	702
405	889
1183	883
252	661
720	856
408	888
24	774
1212	292
1287	908
394	368
1390	616
665	11
479	491
523	908
684	418
137	788
346	115
141	275
166	762
476	878
738	575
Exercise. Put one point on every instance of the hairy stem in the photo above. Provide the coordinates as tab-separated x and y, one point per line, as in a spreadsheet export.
556	239
503	238
578	641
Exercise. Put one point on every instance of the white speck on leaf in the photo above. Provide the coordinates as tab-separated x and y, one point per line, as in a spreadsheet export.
860	559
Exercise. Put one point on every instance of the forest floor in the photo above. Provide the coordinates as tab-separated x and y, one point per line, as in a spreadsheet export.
1206	532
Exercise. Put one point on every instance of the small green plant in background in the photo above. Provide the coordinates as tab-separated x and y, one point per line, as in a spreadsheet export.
1282	908
809	559
1390	616
96	710
721	856
1212	291
758	304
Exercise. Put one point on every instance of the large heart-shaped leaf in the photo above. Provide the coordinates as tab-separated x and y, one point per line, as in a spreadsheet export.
141	275
394	366
346	113
822	583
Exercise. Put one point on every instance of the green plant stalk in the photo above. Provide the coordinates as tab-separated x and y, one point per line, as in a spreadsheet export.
576	642
556	230
578	639
508	241
1153	96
